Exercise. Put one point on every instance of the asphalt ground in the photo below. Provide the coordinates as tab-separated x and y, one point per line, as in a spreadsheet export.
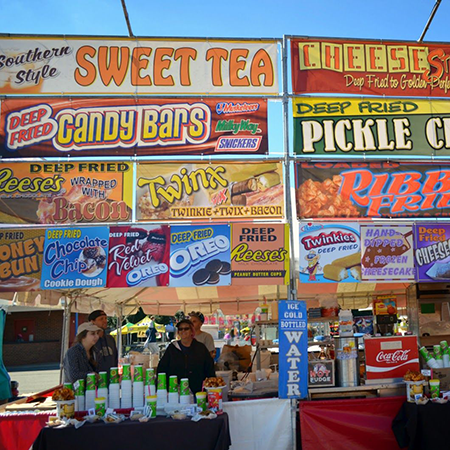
35	379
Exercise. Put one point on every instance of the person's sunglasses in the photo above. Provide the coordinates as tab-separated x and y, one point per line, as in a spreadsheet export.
183	329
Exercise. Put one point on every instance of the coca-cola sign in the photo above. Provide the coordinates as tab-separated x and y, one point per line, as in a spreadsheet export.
390	357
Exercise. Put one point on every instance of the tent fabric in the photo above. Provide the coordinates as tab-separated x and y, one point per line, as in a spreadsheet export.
5	380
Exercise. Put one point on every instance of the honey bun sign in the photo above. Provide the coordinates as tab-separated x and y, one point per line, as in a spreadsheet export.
260	254
75	258
97	65
67	192
110	127
366	67
371	127
21	259
360	190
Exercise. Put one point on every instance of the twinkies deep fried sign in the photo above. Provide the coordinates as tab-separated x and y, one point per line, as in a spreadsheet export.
53	65
110	127
358	190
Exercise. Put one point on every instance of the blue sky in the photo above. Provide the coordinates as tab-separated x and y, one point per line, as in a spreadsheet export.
381	19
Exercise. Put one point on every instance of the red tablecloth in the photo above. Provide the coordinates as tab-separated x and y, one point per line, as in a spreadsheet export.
18	431
349	424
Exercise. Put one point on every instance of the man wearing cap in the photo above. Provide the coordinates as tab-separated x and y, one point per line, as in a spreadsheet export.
106	349
197	319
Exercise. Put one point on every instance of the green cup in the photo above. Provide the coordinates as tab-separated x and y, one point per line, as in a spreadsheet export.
424	352
100	406
201	400
184	386
103	381
90	382
444	347
162	381
138	373
81	387
173	384
150	401
437	351
68	386
126	372
434	388
114	375
150	377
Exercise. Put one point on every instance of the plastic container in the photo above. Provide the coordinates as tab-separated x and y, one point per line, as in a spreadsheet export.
345	323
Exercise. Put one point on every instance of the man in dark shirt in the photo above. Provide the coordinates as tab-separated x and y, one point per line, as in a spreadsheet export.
106	348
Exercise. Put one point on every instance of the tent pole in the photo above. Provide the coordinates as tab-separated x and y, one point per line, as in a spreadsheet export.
66	333
119	331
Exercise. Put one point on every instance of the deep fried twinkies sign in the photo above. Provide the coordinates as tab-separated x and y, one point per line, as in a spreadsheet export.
293	358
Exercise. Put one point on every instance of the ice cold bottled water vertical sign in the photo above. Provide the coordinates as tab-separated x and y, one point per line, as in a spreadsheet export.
293	358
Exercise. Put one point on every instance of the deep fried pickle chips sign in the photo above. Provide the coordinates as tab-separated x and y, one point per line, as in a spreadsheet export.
75	258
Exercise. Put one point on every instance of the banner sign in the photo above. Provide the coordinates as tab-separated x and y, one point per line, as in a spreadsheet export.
212	191
432	251
360	190
370	67
138	256
260	254
330	253
387	253
75	258
21	260
100	65
111	127
293	356
67	192
371	127
200	255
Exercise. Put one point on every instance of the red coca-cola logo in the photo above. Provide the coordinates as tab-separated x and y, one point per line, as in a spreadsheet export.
392	357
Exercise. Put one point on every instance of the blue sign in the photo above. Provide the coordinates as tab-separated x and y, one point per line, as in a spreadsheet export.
75	258
293	341
200	255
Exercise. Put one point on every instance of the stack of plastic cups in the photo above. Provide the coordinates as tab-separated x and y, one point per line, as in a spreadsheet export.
68	386
185	394
445	353
90	391
438	356
173	389
102	390
150	388
126	400
114	388
431	362
79	386
161	393
138	387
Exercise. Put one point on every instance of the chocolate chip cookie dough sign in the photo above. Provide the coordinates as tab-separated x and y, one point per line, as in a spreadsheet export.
293	357
200	255
213	191
69	192
21	259
75	258
330	253
260	254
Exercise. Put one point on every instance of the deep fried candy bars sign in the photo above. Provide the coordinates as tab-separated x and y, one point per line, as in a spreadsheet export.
385	189
293	356
370	67
109	127
70	192
75	258
371	127
432	251
52	65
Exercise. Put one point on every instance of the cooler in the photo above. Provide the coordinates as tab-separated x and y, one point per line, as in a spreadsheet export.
389	358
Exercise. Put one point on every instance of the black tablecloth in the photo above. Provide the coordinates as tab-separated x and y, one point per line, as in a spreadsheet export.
423	427
158	433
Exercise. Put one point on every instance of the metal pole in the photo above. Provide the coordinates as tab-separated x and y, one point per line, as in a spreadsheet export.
119	331
292	289
66	333
433	12
127	19
294	409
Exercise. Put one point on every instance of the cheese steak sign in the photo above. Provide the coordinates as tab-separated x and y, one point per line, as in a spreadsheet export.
107	127
69	192
92	65
371	127
370	67
359	190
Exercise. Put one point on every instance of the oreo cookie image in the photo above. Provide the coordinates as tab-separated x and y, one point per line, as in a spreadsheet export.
214	266
214	278
226	268
201	277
